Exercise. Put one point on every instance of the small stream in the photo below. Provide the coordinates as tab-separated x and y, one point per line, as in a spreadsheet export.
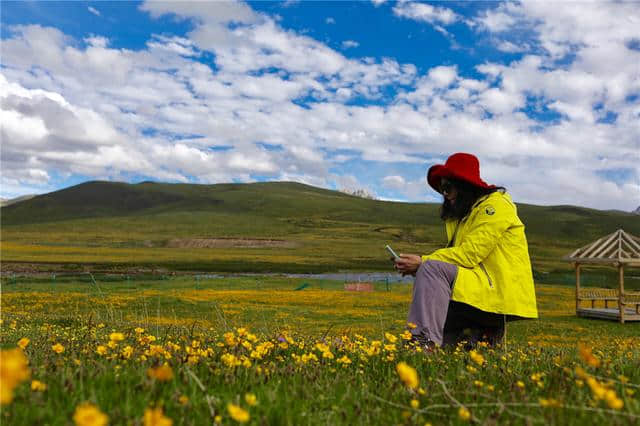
390	277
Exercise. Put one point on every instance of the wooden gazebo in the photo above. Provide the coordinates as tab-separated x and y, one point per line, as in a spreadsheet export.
619	250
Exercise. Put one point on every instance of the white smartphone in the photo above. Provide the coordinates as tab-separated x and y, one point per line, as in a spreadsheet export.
393	253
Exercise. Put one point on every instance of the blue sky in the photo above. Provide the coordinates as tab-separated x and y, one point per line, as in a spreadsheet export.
343	95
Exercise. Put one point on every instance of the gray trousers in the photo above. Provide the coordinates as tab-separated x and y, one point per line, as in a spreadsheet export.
442	321
431	296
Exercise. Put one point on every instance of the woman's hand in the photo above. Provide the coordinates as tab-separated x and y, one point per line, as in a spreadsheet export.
408	264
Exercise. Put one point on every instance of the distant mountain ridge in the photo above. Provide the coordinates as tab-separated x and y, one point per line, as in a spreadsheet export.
636	211
9	201
272	199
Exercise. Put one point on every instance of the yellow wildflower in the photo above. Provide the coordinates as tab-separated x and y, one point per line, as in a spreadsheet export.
57	348
127	352
612	400
38	386
550	402
217	419
139	330
476	357
229	338
464	413
14	369
344	360
251	399
411	325
520	384
87	414
155	417
237	413
163	373
390	337
408	375
415	404
116	337
183	399
22	343
101	350
587	356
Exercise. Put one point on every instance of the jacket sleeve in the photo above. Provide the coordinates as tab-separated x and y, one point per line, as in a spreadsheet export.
483	235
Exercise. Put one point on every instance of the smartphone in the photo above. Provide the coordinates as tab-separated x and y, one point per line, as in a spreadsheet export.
393	253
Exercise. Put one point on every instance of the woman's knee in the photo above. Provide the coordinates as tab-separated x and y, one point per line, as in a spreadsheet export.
435	270
428	266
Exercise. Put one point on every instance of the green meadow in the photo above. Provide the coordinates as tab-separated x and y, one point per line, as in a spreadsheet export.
320	355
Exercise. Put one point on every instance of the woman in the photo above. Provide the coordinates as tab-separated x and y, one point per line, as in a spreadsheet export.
482	278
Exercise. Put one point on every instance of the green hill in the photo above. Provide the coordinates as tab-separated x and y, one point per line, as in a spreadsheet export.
276	226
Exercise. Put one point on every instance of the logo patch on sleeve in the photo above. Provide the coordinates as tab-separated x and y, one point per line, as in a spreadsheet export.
489	210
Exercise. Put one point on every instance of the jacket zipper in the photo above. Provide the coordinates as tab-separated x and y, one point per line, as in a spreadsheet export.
487	274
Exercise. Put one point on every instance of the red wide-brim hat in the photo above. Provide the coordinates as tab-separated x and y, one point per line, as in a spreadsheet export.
460	166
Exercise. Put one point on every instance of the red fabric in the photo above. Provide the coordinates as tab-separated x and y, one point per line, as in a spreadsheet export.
461	166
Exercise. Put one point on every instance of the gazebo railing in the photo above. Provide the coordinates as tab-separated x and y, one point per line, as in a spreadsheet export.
630	299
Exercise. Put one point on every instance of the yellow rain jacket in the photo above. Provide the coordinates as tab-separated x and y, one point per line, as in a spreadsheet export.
490	249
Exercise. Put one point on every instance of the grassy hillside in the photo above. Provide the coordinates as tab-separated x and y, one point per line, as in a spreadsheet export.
117	225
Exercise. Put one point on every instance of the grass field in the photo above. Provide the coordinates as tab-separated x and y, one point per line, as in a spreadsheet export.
119	227
252	349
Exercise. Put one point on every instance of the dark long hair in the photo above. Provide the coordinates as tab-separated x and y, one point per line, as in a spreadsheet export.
468	194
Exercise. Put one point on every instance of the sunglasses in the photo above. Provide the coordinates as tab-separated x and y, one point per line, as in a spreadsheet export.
446	186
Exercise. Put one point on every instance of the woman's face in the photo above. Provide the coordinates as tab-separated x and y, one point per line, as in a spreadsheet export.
448	190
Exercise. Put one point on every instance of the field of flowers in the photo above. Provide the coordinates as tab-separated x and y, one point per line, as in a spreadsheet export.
252	350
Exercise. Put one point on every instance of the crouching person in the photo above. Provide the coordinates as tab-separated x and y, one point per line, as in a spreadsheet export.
482	278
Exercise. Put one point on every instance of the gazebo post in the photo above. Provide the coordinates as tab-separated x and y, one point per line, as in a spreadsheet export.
621	291
577	286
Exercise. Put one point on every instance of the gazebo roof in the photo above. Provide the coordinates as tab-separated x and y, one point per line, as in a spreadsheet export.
617	248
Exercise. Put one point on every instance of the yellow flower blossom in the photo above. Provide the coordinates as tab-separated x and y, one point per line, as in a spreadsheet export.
237	413
587	356
14	369
183	399
127	352
390	337
415	404
155	417
550	402
101	350
464	414
344	360
57	348
22	343
116	337
251	399
476	357
88	414
38	386
408	374
163	373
